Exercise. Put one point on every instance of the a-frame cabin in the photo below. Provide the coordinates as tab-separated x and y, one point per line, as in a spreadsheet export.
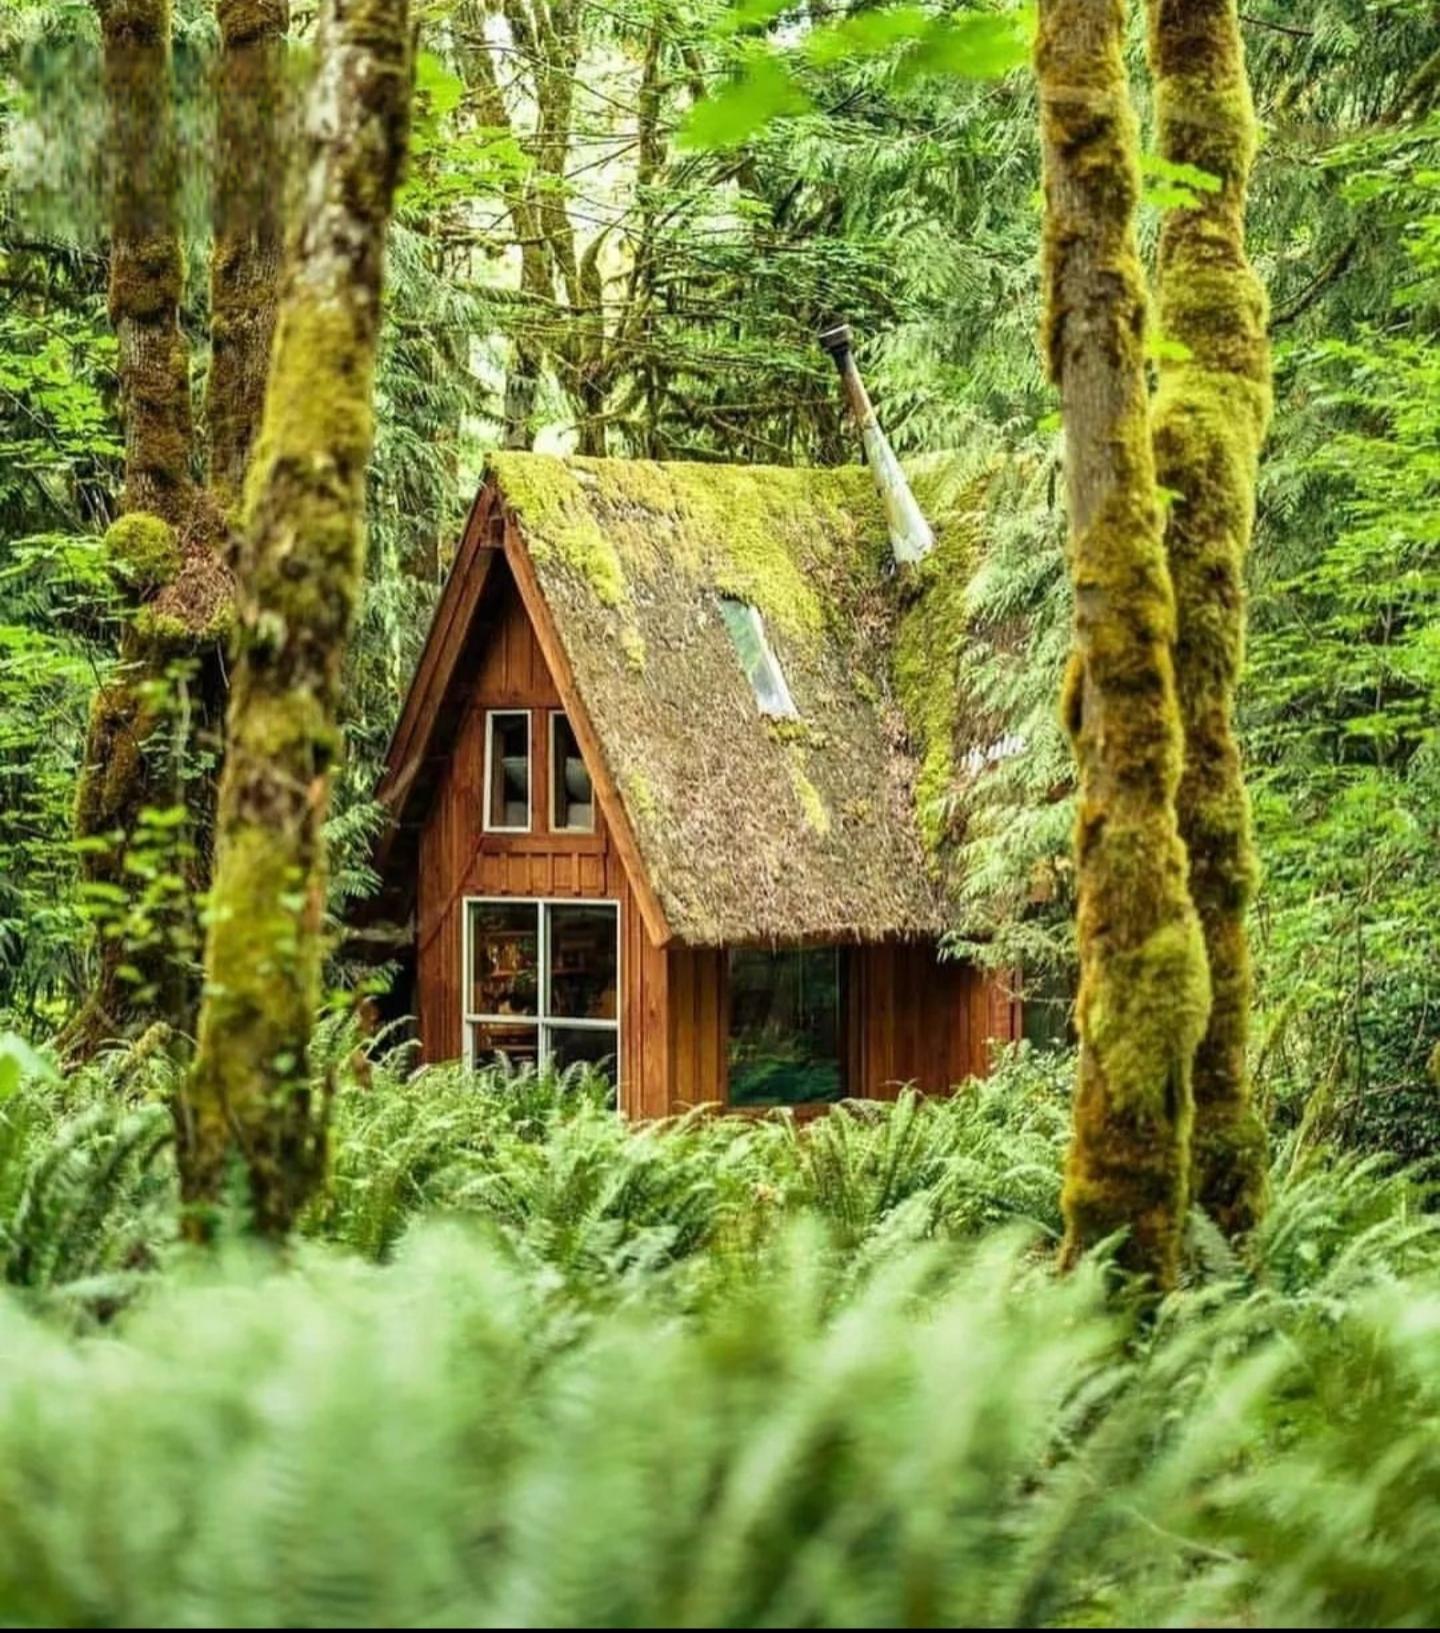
653	798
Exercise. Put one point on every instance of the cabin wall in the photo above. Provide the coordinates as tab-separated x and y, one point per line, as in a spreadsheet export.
918	1019
911	1018
459	859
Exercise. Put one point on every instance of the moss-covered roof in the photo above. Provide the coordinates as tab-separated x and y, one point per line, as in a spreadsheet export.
754	829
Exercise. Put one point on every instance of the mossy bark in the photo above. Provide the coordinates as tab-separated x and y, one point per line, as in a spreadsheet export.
1209	420
119	778
249	230
146	268
298	583
1144	993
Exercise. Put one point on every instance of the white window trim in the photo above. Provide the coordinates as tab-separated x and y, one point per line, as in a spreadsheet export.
541	1020
490	717
556	716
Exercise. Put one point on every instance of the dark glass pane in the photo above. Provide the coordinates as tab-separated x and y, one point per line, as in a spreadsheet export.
574	798
519	1044
583	961
594	1044
509	793
785	1026
504	958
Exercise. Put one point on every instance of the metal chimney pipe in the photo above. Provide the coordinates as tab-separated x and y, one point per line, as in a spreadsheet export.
911	538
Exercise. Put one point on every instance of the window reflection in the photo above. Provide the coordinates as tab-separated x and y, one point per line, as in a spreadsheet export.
785	1028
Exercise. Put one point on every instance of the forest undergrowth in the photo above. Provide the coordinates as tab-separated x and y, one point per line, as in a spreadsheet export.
532	1366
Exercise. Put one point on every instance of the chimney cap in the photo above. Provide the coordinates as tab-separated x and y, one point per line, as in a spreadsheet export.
836	340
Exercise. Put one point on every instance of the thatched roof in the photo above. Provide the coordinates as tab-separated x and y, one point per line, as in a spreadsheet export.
752	829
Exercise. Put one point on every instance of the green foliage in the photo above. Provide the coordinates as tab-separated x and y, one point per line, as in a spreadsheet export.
920	44
536	1368
1342	706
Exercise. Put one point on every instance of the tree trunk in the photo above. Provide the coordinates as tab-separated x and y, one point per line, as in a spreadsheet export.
125	770
249	228
1144	994
527	356
298	583
146	267
1209	422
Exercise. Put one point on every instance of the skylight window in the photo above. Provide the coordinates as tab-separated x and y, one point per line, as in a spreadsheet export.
747	632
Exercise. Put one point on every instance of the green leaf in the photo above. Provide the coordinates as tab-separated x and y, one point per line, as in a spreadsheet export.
971	46
748	14
433	80
1189	176
19	1061
1164	350
763	90
871	33
1168	196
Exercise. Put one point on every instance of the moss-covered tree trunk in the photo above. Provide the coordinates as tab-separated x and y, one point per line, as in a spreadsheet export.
136	973
298	583
1144	994
146	269
1209	421
249	230
153	724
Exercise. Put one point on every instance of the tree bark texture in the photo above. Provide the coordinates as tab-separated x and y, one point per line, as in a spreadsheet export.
146	268
1144	992
1209	421
137	974
249	230
152	721
298	583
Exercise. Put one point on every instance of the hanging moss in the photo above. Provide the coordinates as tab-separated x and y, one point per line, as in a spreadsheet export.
1144	994
1210	419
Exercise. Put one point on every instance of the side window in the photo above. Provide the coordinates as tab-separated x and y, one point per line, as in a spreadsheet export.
507	771
785	1026
572	798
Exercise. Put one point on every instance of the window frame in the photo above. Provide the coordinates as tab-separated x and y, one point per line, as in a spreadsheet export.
780	705
556	717
491	715
542	1020
847	976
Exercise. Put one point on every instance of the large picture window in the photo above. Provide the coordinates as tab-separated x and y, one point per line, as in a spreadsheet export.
785	1026
542	982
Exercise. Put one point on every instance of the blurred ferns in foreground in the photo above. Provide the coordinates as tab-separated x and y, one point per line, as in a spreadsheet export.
723	1372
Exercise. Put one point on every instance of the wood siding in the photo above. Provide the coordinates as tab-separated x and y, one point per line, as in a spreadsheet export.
910	1018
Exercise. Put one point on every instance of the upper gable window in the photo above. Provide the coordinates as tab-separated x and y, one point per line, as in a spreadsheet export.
747	631
572	795
507	771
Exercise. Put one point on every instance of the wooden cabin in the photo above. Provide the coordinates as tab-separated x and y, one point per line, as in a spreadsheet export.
655	796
